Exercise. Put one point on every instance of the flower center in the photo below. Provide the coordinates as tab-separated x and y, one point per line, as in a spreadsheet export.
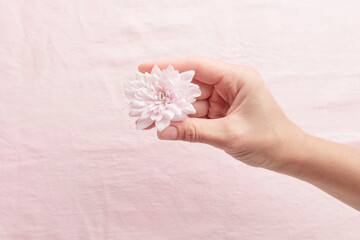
162	96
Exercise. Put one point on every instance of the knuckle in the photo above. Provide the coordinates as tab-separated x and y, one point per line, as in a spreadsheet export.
252	75
190	134
252	69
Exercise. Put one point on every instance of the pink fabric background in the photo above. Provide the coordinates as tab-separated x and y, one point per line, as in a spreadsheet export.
72	165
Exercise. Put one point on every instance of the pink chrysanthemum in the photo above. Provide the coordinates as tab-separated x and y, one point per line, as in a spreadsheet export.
161	97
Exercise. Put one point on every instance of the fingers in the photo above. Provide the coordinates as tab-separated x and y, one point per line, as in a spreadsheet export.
208	71
210	131
206	90
218	107
201	107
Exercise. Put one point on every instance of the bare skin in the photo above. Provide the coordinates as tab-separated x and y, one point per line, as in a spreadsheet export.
237	113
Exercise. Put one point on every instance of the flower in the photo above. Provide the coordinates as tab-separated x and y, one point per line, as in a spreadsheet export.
161	97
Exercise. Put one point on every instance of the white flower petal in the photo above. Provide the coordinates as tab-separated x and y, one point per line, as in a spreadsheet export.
145	114
156	71
181	103
156	116
181	117
162	124
143	123
135	112
155	81
148	78
194	90
161	107
139	76
190	109
174	108
187	76
137	104
169	114
145	94
129	93
170	75
170	69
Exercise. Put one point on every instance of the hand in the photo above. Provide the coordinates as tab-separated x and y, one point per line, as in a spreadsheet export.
235	113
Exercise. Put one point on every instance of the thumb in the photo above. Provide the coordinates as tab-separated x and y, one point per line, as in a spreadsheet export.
210	131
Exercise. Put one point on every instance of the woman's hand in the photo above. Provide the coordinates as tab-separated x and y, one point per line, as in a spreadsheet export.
235	113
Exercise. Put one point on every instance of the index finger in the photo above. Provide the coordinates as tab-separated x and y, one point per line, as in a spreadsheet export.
208	71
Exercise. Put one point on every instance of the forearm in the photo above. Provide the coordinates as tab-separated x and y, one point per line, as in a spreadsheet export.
332	167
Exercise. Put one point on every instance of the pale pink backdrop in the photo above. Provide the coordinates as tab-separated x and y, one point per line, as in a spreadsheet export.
72	165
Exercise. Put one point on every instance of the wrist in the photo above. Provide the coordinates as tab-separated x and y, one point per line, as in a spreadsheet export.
289	154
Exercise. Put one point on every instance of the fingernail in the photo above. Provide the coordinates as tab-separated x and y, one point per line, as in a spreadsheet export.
169	133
